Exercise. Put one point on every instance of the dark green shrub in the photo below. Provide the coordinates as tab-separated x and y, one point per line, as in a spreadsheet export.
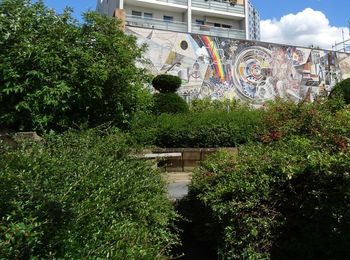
144	129
79	196
341	91
165	83
285	200
206	129
169	103
226	105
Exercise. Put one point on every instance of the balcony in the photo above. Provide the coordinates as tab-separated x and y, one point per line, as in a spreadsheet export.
178	2
218	31
153	3
175	26
219	5
138	21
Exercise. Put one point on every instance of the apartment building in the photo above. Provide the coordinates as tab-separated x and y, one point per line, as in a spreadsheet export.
253	23
224	18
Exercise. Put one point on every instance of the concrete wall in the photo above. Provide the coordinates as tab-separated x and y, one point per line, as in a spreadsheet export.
107	6
189	159
255	72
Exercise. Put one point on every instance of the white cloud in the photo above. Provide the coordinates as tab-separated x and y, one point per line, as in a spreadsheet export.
308	27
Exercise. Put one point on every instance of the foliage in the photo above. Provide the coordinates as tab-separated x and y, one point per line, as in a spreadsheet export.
287	199
284	197
165	83
341	90
311	120
169	103
205	129
80	196
207	104
57	74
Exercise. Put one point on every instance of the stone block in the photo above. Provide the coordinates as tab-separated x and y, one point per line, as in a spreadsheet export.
191	154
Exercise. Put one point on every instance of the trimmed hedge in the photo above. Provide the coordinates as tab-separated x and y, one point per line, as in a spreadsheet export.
205	129
79	196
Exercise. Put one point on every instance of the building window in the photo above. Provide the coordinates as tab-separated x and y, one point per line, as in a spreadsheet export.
200	22
217	25
148	15
136	13
226	26
168	19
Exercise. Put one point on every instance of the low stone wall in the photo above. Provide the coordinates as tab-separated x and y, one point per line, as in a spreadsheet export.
12	139
190	157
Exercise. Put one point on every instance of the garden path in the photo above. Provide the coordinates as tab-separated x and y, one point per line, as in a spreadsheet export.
178	184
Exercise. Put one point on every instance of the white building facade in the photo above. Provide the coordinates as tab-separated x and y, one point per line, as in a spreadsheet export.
236	19
253	19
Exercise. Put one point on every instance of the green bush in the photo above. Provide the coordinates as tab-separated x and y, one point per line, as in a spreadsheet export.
207	104
287	199
169	103
206	129
317	121
58	74
80	196
284	197
165	83
341	91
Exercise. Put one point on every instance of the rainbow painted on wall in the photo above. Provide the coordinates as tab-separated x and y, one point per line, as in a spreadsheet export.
214	55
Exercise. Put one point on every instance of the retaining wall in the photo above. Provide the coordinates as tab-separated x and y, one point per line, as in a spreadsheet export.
189	159
219	68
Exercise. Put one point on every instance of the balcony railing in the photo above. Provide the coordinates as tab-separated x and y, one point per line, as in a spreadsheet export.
178	2
218	31
219	5
138	21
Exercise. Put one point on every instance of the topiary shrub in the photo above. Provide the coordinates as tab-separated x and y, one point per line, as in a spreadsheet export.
166	83
169	103
342	91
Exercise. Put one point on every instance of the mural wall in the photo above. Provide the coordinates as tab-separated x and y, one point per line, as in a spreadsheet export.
220	68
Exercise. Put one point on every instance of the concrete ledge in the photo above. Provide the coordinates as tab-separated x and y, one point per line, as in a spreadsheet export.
161	155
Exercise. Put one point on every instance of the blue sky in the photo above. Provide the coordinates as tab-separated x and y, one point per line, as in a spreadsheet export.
79	6
337	11
301	22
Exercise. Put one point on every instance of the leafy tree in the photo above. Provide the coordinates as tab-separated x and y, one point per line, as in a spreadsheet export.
56	73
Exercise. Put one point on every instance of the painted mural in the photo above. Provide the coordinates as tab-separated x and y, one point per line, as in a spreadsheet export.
256	72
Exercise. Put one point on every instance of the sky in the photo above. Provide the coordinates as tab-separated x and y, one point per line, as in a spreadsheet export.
300	22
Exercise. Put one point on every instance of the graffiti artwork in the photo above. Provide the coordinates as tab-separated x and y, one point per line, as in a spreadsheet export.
256	72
